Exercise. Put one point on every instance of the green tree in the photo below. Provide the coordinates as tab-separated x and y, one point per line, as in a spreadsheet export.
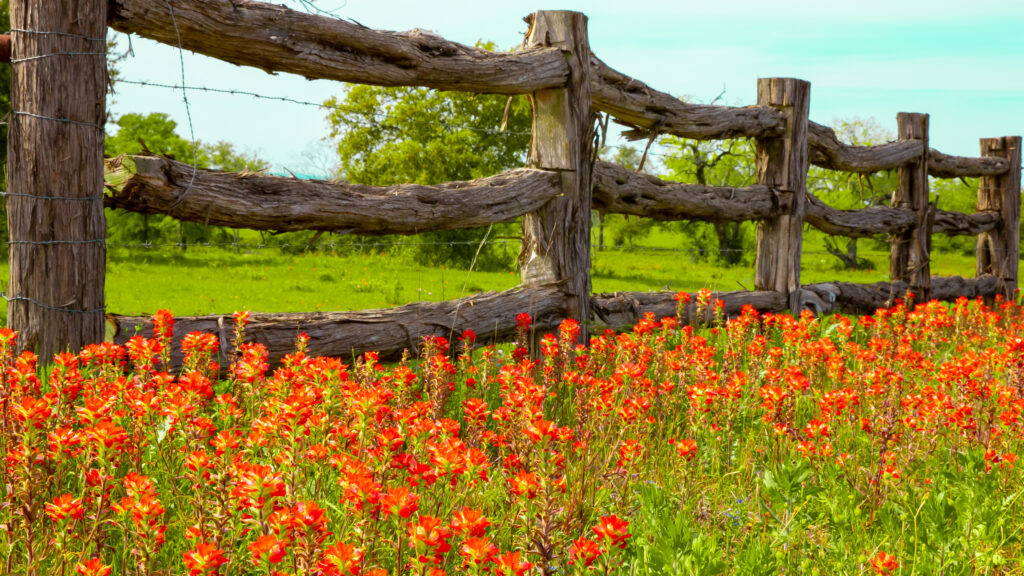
714	163
156	132
848	191
625	230
388	136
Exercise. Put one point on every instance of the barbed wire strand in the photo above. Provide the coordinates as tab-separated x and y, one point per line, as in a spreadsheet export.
376	116
42	56
188	109
48	242
365	245
56	119
40	197
53	54
231	91
52	33
48	307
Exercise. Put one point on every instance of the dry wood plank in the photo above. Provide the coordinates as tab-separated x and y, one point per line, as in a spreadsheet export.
157	185
862	223
875	220
277	39
998	250
852	298
621	191
492	316
960	224
946	166
556	236
909	249
57	227
622	310
153	185
828	152
782	164
646	110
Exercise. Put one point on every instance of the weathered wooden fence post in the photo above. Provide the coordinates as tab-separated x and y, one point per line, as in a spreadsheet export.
556	238
910	250
998	251
782	163
55	174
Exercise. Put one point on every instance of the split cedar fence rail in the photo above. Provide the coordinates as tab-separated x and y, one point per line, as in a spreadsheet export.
56	168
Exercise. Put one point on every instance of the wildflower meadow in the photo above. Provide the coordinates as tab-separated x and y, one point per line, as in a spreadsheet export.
763	444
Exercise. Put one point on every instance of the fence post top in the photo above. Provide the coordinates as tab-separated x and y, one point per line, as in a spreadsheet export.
795	81
1009	139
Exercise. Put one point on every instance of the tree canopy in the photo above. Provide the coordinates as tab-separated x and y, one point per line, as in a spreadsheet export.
387	136
157	133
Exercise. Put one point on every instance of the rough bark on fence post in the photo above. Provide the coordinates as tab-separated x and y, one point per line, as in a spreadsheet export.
998	251
782	164
55	174
556	238
909	253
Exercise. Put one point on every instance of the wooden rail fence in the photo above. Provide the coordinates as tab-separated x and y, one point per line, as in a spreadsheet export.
568	87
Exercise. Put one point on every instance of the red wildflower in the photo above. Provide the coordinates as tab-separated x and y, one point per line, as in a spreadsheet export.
475	410
428	531
884	563
204	559
469	522
340	560
477	552
63	507
524	483
399	501
523	321
92	567
613	529
268	546
687	448
509	565
585	551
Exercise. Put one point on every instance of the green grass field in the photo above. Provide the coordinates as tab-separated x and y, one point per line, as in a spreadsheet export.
214	280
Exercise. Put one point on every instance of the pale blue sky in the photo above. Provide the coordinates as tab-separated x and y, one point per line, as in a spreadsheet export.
963	63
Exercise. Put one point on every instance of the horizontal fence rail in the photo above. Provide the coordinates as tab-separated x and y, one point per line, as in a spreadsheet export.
390	331
157	185
320	47
492	316
277	39
945	166
621	191
649	111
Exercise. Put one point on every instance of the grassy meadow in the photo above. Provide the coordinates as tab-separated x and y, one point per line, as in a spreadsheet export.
209	280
